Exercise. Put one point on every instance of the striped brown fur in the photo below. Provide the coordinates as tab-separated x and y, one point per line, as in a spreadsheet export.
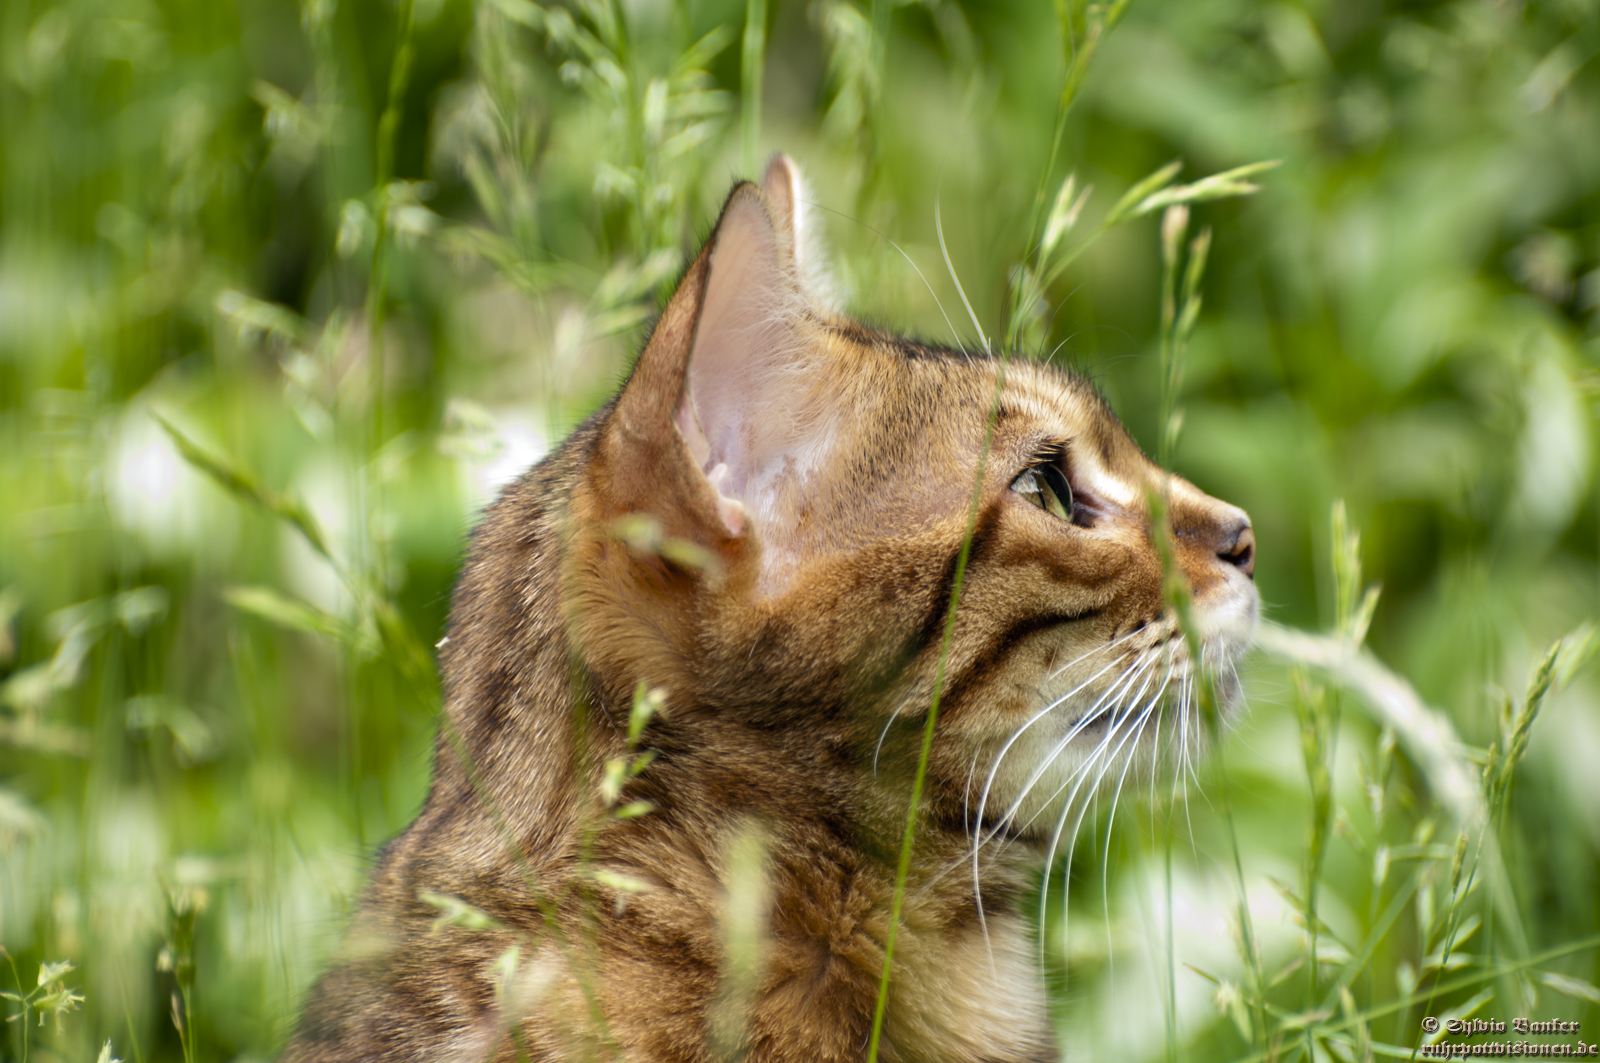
798	666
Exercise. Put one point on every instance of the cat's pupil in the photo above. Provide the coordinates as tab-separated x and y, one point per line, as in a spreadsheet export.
1045	487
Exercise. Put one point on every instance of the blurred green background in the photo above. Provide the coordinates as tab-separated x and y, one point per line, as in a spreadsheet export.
368	260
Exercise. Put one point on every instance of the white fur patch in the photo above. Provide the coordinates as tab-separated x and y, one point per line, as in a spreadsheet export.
806	235
974	996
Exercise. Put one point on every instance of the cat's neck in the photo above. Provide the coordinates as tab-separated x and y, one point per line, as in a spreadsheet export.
506	751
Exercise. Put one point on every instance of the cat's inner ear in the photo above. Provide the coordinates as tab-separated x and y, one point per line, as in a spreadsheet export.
751	414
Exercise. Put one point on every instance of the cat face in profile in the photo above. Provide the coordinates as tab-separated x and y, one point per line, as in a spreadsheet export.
769	525
830	469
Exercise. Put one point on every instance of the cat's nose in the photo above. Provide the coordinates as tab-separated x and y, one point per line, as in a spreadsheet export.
1239	548
1206	531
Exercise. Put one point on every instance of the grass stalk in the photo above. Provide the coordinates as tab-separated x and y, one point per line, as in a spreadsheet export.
1180	308
1170	1008
751	69
1466	981
377	375
383	172
1178	596
947	639
1083	27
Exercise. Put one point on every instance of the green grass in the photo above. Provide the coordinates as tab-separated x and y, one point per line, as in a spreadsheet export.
285	290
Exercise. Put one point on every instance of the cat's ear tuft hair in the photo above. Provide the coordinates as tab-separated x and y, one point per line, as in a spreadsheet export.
792	209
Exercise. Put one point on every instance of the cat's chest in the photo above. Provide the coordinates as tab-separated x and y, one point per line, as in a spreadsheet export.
969	994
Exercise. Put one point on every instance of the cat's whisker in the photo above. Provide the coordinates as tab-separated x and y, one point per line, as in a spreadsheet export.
1164	743
1091	716
994	769
1191	723
938	225
887	724
1100	758
966	795
1095	712
1050	856
1137	733
1191	735
1077	825
1113	644
1238	687
1132	662
1180	755
1039	715
1088	716
973	823
1180	736
1082	722
1132	734
1051	327
1188	765
955	337
976	841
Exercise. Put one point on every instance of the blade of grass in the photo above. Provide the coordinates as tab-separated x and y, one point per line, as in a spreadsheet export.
1454	985
388	129
947	639
238	481
1079	48
753	56
1426	734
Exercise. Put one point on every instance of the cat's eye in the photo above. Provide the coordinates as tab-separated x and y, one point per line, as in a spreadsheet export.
1047	488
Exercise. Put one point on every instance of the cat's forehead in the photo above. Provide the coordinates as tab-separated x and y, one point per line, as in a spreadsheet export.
1033	395
1031	388
1103	457
952	393
1041	407
1043	394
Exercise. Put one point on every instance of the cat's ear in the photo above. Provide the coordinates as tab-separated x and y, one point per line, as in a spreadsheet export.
723	400
743	342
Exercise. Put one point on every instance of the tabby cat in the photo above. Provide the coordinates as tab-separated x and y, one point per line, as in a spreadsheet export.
765	525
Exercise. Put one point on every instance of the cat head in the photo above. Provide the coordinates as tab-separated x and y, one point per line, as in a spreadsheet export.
771	522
